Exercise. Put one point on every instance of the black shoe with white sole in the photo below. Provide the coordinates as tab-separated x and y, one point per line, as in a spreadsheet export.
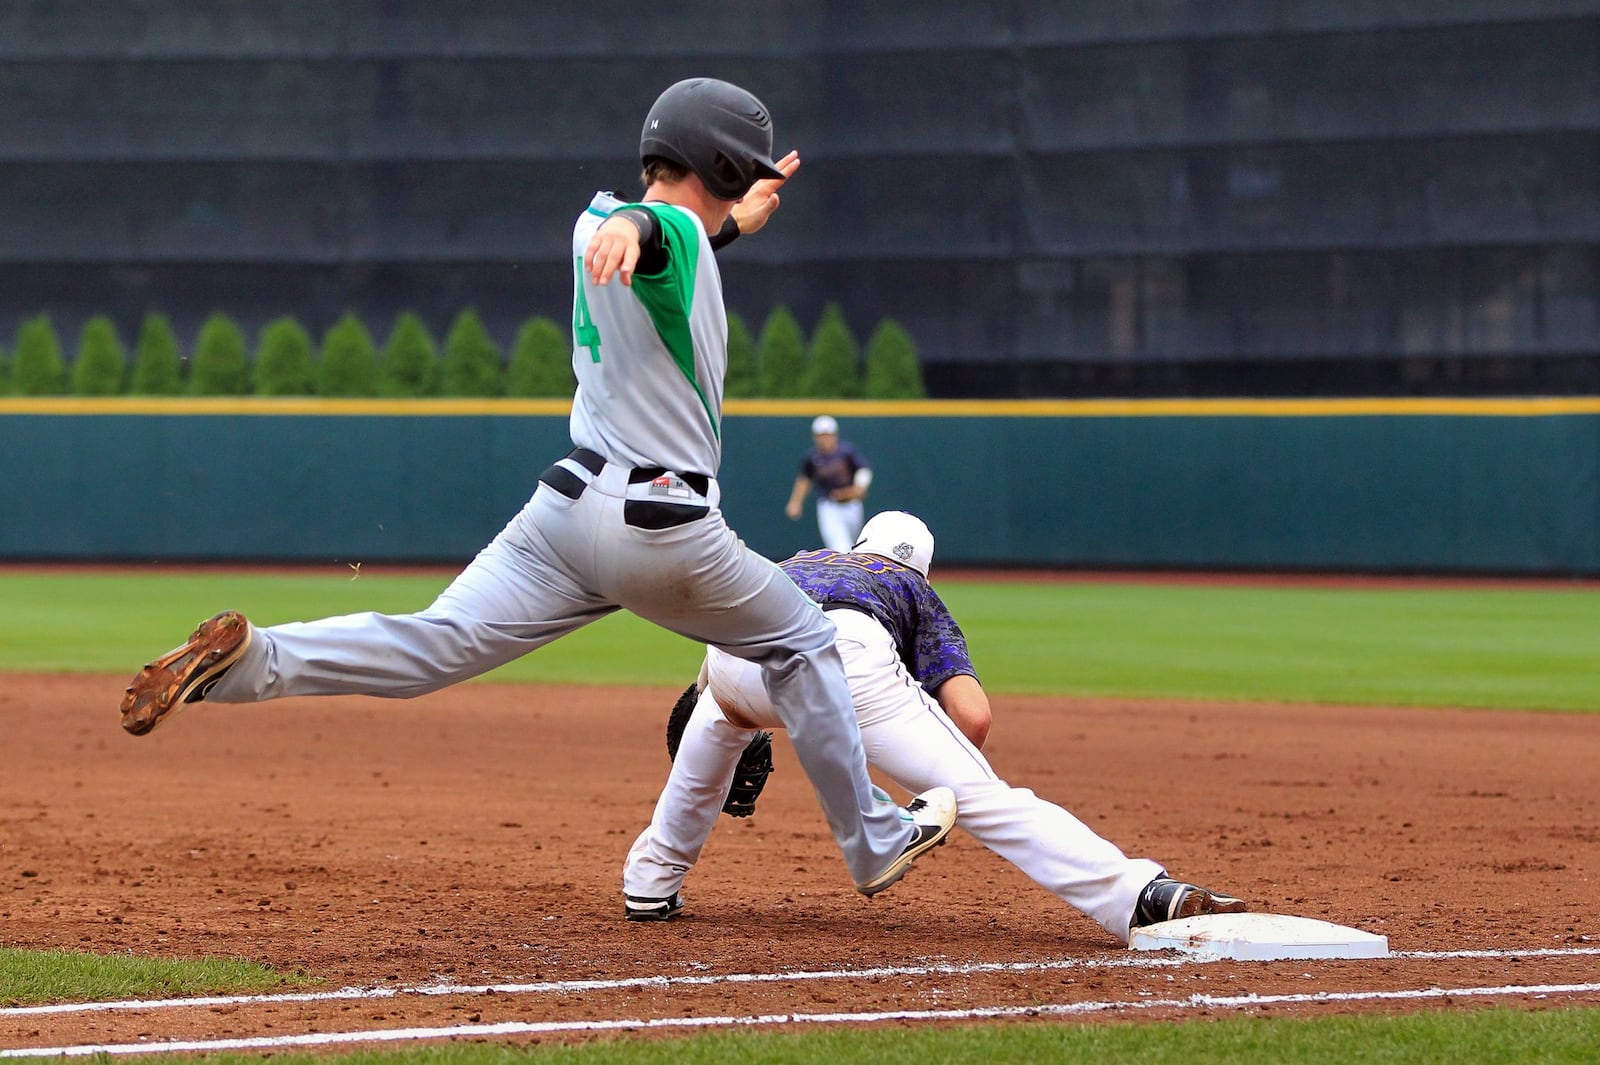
638	908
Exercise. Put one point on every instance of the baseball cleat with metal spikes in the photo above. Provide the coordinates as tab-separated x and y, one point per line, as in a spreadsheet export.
184	674
1166	899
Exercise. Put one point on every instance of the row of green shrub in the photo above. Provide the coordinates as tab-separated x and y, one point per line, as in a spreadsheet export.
286	361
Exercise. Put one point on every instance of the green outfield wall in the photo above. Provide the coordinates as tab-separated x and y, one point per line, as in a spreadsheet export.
1440	485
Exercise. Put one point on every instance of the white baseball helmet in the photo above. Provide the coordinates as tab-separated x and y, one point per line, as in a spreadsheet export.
900	536
823	424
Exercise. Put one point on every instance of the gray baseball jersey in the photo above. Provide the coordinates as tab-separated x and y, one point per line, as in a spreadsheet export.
660	404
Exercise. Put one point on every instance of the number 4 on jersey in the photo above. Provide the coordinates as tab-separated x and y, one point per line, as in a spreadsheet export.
584	332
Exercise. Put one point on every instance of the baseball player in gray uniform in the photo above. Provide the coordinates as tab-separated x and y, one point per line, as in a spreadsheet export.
630	518
924	717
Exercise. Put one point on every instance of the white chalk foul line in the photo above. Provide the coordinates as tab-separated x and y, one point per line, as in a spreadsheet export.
621	984
1540	952
1135	961
479	1031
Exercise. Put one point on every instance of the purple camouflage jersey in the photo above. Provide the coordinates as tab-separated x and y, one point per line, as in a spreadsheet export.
931	644
833	470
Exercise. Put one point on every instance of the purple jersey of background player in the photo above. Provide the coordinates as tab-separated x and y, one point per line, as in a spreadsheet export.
832	470
931	643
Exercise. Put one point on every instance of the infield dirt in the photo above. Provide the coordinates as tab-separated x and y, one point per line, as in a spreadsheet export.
476	836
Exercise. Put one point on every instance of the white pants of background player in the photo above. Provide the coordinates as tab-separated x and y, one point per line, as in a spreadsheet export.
839	523
562	563
909	738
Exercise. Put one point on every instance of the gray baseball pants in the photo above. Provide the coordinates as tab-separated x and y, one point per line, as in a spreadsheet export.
572	555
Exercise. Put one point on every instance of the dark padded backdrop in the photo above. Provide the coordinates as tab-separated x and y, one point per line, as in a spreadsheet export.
1026	186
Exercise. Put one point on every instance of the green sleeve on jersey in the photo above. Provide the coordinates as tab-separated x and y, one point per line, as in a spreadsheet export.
668	295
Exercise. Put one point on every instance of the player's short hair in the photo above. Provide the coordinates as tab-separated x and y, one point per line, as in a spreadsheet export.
663	170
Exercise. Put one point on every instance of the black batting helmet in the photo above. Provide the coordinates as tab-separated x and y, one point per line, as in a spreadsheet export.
719	131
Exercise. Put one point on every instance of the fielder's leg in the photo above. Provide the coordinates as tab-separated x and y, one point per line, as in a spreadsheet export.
908	735
688	807
722	593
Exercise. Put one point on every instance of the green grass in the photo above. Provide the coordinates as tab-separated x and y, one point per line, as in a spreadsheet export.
1483	1037
88	622
1444	646
1438	646
29	976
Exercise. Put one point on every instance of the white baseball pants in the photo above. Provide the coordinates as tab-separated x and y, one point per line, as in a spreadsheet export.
563	562
840	523
906	735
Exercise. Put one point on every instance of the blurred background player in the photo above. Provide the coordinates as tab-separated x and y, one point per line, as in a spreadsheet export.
923	717
842	476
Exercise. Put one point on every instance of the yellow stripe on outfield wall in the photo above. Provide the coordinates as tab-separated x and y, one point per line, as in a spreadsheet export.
1167	408
277	406
941	408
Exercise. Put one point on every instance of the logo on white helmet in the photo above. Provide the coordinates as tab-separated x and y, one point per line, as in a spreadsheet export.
900	536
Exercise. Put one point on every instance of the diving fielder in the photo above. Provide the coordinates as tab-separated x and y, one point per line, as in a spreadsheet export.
923	717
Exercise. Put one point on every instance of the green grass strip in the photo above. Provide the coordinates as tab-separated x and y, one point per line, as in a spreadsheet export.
114	622
1483	1037
1490	647
29	977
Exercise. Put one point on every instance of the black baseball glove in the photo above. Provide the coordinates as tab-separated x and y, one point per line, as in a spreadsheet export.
755	764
